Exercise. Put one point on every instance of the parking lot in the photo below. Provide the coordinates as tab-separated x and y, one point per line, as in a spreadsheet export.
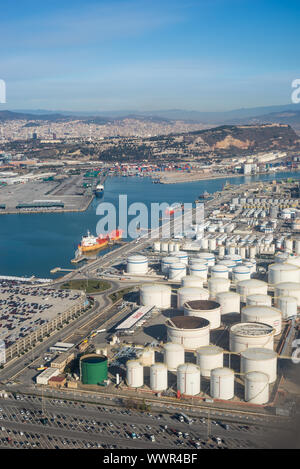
33	422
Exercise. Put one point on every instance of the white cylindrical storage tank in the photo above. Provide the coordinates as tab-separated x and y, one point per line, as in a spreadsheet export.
158	377
249	335
240	272
185	294
156	246
177	247
259	300
198	270
188	379
212	244
264	314
209	358
260	359
190	332
278	273
181	257
177	271
173	356
222	383
251	287
166	262
206	309
230	264
288	289
257	387
288	306
134	374
137	264
252	252
219	271
221	251
171	246
281	257
217	285
294	260
192	281
207	256
297	247
251	266
155	295
236	258
230	302
164	246
288	245
243	252
204	243
146	356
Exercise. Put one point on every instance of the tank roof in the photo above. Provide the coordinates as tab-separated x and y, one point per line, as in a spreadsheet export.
187	322
202	305
258	353
210	350
252	329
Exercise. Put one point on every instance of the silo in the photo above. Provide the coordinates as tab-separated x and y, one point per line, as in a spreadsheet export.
249	335
217	285
283	273
288	245
229	301
188	379
198	270
251	287
288	306
191	281
230	264
237	258
158	377
134	374
206	309
188	331
177	271
173	356
219	271
259	300
251	266
204	243
257	388
155	295
166	262
263	314
185	294
240	272
93	369
288	289
243	252
260	359
137	264
222	383
208	358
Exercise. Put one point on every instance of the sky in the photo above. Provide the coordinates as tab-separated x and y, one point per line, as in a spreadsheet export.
93	55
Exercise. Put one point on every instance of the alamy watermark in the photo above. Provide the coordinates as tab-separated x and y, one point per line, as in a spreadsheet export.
137	220
2	92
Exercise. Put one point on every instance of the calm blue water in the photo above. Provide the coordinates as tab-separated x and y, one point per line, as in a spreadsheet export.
34	244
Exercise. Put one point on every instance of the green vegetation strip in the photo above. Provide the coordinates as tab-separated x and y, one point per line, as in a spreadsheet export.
89	286
119	294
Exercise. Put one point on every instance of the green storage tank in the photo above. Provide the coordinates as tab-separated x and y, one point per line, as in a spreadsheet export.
93	369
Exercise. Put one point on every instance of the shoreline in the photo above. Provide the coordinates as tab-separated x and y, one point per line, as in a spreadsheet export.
200	178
